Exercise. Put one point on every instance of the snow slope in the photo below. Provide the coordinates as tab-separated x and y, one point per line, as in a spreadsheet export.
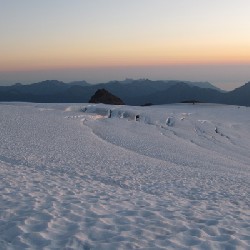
72	178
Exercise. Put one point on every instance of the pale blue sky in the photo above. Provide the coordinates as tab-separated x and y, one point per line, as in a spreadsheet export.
98	40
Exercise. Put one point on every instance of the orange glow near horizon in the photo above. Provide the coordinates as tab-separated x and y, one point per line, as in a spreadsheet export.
125	57
139	51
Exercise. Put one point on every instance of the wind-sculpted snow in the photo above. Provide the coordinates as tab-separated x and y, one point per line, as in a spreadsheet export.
108	177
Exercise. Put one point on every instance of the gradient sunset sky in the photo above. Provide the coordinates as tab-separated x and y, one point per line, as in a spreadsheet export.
101	40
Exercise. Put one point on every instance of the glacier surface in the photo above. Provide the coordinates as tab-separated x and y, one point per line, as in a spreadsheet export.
159	177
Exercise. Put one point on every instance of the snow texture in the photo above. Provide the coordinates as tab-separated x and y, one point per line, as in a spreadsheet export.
95	177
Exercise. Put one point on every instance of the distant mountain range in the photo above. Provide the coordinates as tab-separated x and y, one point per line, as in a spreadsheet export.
132	92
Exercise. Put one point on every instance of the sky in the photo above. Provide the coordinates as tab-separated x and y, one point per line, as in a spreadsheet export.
102	40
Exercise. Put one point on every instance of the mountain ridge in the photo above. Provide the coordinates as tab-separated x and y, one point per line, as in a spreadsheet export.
132	92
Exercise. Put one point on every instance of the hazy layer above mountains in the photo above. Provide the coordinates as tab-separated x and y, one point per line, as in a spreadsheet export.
224	76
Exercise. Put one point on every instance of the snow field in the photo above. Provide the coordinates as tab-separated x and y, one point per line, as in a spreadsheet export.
79	180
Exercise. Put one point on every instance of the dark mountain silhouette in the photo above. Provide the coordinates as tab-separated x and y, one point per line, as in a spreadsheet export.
132	92
204	85
239	96
103	96
129	92
79	83
181	92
